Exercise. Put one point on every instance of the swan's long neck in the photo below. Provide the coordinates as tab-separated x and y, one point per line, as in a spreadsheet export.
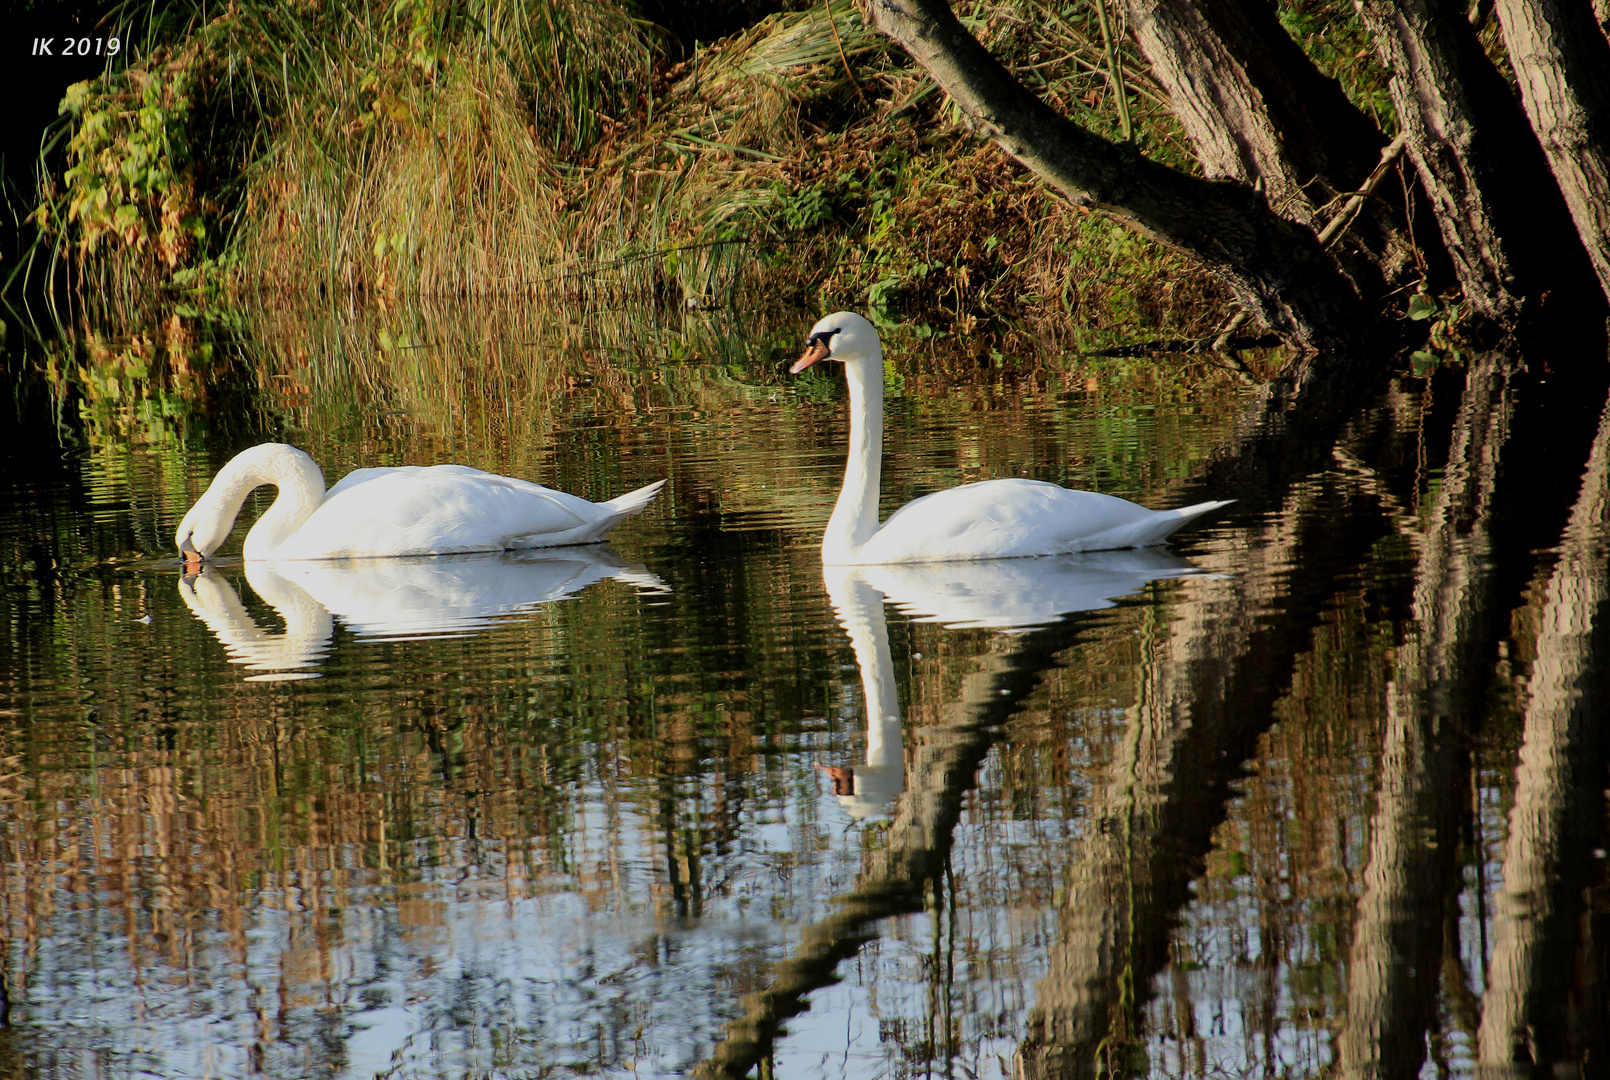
301	491
855	516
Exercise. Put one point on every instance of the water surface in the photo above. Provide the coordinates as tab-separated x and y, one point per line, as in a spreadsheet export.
1318	790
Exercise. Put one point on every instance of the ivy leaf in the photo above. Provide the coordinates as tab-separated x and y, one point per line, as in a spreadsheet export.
1422	307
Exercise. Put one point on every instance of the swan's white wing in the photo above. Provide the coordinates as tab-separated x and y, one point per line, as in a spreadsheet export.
359	476
439	509
1011	518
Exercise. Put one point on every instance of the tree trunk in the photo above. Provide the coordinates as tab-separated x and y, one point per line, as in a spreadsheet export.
1562	62
1503	220
1276	267
1269	118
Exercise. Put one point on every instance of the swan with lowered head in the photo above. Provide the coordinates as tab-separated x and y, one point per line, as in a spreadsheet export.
413	510
992	519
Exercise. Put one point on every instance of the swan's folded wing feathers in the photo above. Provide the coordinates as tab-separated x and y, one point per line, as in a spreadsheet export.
1014	517
438	509
363	476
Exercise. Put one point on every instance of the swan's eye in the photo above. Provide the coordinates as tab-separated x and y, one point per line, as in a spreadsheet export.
824	339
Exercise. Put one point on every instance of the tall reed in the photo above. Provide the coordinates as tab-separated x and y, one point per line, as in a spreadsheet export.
501	149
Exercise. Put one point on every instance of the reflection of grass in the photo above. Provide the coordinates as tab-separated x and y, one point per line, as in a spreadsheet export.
135	405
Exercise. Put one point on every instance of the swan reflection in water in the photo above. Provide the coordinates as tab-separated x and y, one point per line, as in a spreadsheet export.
1006	595
398	599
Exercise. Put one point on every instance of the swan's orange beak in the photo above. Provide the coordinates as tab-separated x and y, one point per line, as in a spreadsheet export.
192	557
816	351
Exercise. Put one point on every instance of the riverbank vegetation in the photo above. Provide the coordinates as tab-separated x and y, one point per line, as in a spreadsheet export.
580	155
588	154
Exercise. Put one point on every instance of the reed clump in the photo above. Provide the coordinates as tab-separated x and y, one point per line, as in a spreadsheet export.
549	149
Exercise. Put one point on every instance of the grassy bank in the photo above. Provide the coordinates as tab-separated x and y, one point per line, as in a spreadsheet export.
552	149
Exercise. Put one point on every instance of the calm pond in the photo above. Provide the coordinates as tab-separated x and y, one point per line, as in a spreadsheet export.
1317	790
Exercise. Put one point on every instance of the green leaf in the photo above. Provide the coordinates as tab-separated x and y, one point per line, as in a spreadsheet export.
1422	307
77	94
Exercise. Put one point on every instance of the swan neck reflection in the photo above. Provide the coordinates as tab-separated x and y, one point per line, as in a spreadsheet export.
868	789
277	657
1009	596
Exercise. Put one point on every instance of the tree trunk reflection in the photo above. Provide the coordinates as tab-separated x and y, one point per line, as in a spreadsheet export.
941	768
1412	874
1558	816
1209	693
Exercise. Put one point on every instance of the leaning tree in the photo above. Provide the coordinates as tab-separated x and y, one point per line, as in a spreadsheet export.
1506	195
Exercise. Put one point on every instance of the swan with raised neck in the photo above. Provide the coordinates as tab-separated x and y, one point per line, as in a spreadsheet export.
992	519
411	510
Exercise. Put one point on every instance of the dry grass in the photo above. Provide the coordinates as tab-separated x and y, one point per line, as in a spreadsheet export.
542	150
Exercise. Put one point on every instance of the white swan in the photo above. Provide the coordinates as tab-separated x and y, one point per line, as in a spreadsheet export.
413	510
992	519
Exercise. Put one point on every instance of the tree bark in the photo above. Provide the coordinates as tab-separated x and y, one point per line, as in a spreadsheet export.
1269	118
1276	267
1503	220
1562	62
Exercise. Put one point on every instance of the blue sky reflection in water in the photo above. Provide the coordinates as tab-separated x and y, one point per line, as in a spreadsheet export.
1253	810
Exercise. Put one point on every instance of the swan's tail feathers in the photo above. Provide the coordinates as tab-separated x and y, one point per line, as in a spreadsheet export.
633	502
1177	519
1189	513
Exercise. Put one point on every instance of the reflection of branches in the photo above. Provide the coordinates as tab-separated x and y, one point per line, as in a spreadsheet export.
1559	803
1210	690
1397	943
1212	686
942	768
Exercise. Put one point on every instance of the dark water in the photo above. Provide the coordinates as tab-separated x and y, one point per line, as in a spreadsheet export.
1318	791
